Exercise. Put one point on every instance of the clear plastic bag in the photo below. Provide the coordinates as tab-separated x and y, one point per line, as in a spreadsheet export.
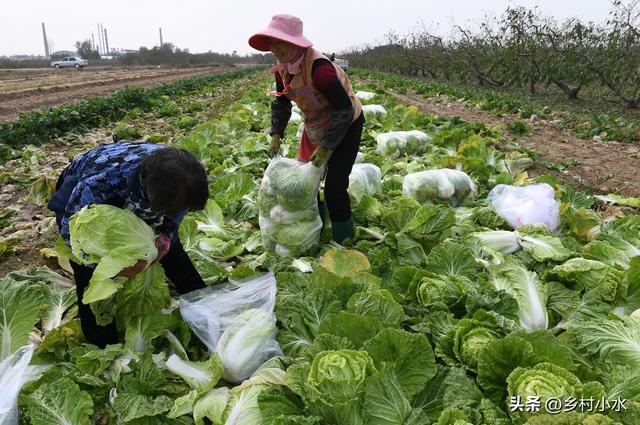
365	179
397	143
295	117
289	219
236	320
520	205
293	239
371	110
295	108
359	158
444	183
281	216
294	183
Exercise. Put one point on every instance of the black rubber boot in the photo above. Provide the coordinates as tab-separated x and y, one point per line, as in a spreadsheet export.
322	209
342	230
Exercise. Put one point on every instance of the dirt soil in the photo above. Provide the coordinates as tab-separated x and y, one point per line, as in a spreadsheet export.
600	166
29	90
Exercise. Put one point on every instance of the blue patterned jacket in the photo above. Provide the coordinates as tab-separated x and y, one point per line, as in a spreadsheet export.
109	174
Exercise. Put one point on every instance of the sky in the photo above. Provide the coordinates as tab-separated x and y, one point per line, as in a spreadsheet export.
225	26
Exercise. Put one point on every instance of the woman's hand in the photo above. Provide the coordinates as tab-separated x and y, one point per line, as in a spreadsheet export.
274	146
319	156
163	244
130	272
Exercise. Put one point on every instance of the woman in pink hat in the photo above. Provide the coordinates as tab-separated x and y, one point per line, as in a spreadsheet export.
333	114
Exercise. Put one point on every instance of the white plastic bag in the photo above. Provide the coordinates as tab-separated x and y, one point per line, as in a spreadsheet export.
289	219
365	95
365	179
359	158
532	204
396	143
444	183
371	110
295	108
236	320
15	372
295	117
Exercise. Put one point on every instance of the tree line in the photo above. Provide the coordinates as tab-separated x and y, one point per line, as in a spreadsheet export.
167	54
523	49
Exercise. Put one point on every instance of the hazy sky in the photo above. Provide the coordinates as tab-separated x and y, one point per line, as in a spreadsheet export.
224	26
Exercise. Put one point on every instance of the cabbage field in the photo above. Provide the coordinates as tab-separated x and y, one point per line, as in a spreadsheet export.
473	292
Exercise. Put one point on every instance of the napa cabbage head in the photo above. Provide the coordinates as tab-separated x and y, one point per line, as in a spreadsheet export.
284	217
114	239
200	376
471	335
298	233
266	202
527	289
446	290
337	376
544	380
471	340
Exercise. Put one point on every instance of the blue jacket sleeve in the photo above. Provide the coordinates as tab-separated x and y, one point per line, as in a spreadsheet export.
171	226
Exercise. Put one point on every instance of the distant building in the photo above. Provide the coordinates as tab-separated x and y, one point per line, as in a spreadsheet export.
25	57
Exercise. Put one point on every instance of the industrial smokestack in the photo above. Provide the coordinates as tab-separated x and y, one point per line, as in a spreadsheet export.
106	41
46	43
161	37
99	41
104	48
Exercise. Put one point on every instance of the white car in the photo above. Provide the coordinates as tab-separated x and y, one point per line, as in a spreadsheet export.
70	61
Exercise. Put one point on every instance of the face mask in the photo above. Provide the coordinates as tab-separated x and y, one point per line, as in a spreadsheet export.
292	63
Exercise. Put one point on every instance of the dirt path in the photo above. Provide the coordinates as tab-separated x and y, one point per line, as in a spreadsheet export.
600	166
14	102
16	82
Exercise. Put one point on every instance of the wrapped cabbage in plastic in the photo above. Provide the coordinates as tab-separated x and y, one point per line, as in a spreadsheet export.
241	345
443	183
294	183
237	321
372	110
295	108
396	143
520	205
365	95
365	179
295	117
288	211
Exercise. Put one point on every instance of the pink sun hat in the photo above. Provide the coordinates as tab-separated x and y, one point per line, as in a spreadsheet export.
285	28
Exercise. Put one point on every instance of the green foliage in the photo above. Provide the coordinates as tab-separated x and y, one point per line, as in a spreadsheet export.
429	314
39	127
519	127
